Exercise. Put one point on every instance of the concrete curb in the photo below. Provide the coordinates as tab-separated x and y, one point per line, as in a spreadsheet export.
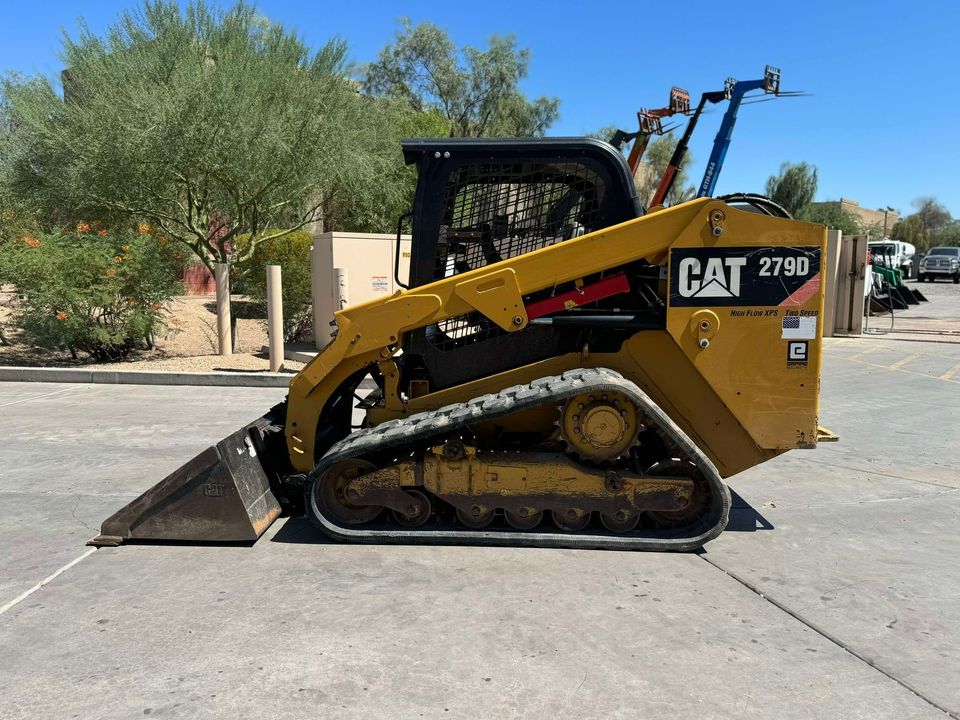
143	377
290	353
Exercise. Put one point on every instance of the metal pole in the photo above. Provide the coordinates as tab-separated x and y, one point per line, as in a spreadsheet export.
224	337
275	318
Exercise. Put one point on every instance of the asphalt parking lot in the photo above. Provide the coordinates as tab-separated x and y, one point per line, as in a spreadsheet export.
834	593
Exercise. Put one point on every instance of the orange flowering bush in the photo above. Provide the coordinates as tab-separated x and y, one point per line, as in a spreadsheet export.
90	293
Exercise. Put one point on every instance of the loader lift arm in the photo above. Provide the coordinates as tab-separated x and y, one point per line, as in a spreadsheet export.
371	333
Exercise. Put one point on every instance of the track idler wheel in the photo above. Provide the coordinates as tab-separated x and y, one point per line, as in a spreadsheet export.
417	513
525	518
571	519
622	522
332	496
476	517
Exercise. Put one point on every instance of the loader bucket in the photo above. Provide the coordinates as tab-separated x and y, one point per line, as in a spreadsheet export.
880	304
904	293
222	495
894	298
919	295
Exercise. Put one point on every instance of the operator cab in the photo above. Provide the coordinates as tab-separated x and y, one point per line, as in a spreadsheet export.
480	201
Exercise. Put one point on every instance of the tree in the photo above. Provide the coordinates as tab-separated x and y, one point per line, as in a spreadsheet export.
15	217
949	235
933	215
930	225
910	229
794	188
477	91
203	123
376	207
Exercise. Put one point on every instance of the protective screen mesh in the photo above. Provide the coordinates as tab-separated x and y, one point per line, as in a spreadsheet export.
495	211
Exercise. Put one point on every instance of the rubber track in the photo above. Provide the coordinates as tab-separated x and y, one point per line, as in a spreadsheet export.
441	422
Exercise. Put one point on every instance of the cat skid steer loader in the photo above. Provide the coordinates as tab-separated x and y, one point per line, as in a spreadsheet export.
564	370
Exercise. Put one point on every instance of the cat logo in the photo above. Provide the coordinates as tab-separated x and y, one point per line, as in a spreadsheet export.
718	278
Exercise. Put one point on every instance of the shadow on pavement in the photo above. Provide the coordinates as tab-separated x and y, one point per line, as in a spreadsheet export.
300	530
744	517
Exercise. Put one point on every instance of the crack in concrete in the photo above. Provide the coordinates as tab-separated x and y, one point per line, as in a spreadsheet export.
73	513
871	471
830	637
794	508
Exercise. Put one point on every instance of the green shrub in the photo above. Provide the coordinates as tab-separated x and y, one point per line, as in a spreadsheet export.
292	253
102	294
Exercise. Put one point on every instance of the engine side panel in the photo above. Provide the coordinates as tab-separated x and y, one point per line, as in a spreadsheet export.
746	309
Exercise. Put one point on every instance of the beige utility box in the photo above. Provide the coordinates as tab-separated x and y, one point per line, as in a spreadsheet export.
352	268
844	273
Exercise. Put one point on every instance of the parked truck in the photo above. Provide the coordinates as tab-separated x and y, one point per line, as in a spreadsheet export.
899	254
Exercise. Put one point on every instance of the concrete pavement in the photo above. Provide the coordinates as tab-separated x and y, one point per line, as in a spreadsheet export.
835	592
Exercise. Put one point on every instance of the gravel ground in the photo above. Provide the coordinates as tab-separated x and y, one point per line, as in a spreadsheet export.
191	347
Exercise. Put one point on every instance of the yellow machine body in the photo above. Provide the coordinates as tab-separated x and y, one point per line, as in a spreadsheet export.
564	371
740	379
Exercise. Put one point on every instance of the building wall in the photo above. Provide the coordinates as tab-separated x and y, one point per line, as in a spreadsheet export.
197	280
883	219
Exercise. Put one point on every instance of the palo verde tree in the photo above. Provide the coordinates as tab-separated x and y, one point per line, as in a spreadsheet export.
794	188
477	91
206	124
15	216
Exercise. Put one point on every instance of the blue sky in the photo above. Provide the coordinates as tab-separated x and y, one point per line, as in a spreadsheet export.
881	125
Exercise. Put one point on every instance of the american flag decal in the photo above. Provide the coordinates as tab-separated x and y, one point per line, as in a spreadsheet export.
799	327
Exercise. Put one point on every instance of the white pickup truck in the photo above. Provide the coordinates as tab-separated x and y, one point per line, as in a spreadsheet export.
941	262
900	254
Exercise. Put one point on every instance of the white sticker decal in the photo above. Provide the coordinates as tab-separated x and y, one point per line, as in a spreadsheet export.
798	352
799	328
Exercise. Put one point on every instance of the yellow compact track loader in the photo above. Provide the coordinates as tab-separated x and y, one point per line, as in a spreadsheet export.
564	370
